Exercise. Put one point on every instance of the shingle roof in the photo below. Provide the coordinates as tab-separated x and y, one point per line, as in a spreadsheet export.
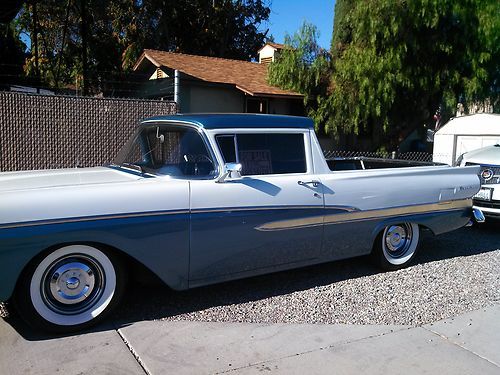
248	77
274	45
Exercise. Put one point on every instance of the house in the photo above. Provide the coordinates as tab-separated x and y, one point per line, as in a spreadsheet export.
212	84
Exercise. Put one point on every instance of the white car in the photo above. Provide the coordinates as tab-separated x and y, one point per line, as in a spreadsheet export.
488	198
200	199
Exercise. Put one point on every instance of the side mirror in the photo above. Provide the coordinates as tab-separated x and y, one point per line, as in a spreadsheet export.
232	171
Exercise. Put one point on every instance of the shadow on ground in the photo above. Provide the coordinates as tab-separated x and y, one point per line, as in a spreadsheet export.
150	302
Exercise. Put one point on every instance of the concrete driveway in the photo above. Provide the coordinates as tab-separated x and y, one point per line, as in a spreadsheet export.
467	344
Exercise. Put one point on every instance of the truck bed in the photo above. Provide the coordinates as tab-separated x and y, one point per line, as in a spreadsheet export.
360	162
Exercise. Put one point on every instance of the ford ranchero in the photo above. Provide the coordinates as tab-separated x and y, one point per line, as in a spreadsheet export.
201	199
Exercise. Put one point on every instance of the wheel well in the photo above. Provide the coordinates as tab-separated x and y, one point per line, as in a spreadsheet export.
132	267
380	231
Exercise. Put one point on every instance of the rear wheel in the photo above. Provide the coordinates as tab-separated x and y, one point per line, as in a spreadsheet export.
69	289
397	245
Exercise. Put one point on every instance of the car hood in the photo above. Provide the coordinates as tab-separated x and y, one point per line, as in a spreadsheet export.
32	180
487	155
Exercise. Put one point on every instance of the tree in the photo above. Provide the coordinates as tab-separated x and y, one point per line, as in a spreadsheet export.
11	54
393	63
219	28
400	60
304	67
96	42
11	47
342	31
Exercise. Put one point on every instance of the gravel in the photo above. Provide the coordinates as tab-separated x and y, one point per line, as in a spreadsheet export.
453	273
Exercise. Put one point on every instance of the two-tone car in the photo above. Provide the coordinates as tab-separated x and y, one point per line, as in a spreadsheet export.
201	199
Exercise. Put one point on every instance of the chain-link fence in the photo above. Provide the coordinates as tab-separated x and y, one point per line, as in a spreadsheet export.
411	156
50	131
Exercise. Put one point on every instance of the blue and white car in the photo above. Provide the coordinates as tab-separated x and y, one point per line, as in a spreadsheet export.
488	158
201	199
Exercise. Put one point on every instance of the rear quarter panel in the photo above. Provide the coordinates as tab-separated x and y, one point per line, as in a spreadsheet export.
435	197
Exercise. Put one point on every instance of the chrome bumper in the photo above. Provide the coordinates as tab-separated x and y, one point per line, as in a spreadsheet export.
478	216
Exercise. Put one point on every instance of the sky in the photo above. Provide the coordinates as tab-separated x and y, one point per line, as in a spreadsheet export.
288	15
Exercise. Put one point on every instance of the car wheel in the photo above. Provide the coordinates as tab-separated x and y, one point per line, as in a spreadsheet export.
69	289
397	245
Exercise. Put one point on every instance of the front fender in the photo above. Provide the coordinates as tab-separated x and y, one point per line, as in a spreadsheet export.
159	242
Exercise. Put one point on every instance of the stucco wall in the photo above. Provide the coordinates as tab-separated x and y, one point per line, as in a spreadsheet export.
196	98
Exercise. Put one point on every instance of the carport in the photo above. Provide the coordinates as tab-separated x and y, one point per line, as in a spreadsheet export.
464	134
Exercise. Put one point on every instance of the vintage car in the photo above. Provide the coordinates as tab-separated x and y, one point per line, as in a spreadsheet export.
200	199
488	198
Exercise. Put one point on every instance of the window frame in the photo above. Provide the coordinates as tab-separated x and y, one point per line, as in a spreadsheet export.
235	131
213	151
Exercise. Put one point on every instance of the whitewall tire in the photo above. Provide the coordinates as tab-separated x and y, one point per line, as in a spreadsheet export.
69	288
397	245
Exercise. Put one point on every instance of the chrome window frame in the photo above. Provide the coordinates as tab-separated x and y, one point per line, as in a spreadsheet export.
206	142
213	133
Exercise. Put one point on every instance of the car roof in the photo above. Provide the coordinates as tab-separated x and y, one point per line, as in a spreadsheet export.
236	120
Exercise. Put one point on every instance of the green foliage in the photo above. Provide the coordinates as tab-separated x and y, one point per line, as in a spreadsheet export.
303	67
115	33
341	27
394	62
400	60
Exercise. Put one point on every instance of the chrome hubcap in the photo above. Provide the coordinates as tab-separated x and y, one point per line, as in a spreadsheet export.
72	284
397	240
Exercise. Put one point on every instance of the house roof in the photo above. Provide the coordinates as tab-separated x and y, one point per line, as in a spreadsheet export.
236	120
272	44
248	77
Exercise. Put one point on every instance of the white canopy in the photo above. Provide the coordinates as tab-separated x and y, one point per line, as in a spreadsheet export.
478	124
464	134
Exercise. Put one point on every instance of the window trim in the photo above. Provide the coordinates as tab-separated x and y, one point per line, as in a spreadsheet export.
235	131
206	142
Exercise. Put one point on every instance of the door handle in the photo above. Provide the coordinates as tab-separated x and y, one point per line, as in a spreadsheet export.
314	183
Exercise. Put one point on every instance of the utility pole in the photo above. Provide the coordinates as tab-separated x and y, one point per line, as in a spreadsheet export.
84	35
35	45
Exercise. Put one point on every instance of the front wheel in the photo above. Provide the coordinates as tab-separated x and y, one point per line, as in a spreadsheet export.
396	245
69	289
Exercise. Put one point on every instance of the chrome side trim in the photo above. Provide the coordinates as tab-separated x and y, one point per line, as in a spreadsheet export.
357	215
347	214
91	218
254	208
398	211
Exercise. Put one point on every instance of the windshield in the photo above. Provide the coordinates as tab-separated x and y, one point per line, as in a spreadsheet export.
168	150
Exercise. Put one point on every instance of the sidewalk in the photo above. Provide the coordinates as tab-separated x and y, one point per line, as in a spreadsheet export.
468	344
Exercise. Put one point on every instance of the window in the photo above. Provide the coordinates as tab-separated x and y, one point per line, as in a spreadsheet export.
170	150
261	154
227	147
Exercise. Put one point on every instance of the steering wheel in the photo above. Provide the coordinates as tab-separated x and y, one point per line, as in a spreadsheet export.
197	158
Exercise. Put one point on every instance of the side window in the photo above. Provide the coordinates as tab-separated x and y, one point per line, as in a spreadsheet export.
177	152
261	154
227	147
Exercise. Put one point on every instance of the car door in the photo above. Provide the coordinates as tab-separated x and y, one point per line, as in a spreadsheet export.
269	218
